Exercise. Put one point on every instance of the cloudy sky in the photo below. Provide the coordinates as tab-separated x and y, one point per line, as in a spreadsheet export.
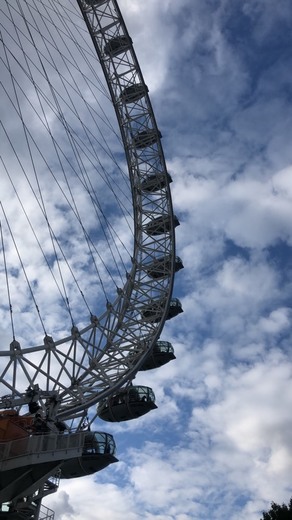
219	445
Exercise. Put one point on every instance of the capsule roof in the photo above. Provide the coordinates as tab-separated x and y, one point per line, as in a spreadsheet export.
153	311
161	224
162	353
160	267
156	181
133	93
129	403
146	138
117	45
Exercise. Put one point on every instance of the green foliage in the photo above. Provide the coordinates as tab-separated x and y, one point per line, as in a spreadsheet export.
278	512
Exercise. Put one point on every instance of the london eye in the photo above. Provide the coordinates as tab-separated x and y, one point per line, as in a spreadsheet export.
87	243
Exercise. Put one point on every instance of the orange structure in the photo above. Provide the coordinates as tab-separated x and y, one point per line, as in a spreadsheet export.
14	426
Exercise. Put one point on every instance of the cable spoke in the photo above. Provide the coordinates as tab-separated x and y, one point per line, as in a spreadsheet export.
87	209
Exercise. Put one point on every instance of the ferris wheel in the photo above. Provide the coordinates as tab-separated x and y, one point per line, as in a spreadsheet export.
87	226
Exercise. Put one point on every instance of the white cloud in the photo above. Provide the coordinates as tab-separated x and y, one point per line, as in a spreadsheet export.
249	425
62	506
94	501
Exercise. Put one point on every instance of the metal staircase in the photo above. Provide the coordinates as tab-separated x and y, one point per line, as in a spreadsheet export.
29	507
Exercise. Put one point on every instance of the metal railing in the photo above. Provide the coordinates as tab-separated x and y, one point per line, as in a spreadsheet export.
46	513
43	443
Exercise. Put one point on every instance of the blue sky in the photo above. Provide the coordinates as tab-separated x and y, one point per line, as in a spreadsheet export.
219	445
